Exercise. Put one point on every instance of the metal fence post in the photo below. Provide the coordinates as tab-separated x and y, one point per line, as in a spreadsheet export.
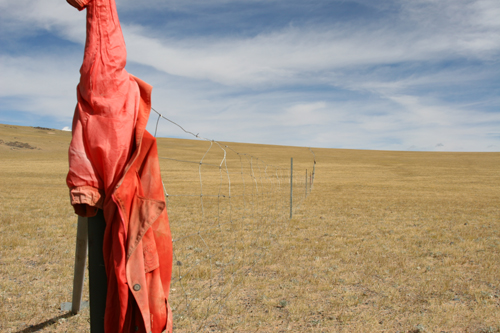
313	173
310	182
306	183
291	187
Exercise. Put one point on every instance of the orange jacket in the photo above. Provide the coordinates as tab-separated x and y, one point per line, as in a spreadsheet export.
138	244
113	165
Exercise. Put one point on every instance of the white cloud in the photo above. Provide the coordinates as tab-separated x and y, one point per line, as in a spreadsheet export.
26	17
425	31
240	88
293	55
305	114
45	85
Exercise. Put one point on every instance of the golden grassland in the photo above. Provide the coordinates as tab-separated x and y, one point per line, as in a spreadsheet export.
385	241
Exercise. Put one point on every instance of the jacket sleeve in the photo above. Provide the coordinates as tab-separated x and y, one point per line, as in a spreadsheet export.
104	120
85	188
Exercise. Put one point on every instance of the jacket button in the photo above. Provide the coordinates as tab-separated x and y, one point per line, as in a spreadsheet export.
136	328
137	287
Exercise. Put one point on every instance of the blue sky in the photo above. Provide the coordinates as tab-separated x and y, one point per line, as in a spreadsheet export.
390	75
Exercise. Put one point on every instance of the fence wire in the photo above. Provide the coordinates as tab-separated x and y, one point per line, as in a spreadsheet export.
225	209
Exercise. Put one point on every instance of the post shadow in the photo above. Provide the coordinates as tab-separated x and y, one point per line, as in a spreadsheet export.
47	323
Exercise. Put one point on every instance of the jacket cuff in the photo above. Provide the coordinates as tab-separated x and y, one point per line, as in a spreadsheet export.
86	200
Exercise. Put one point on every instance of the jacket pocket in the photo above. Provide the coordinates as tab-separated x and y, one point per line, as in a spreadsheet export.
151	259
143	213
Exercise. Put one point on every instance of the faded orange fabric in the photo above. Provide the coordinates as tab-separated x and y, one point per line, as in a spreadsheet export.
113	165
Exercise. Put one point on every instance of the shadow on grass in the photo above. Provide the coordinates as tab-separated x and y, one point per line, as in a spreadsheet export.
52	321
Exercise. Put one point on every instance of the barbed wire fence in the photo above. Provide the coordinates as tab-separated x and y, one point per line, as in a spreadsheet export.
225	209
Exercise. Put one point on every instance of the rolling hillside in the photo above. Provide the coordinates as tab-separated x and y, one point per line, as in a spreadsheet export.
385	241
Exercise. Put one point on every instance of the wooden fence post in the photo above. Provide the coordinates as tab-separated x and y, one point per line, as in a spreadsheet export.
89	241
98	282
80	260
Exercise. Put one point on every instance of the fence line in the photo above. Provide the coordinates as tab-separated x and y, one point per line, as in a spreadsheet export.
225	210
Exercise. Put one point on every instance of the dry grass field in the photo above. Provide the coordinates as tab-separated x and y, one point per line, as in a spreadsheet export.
385	241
